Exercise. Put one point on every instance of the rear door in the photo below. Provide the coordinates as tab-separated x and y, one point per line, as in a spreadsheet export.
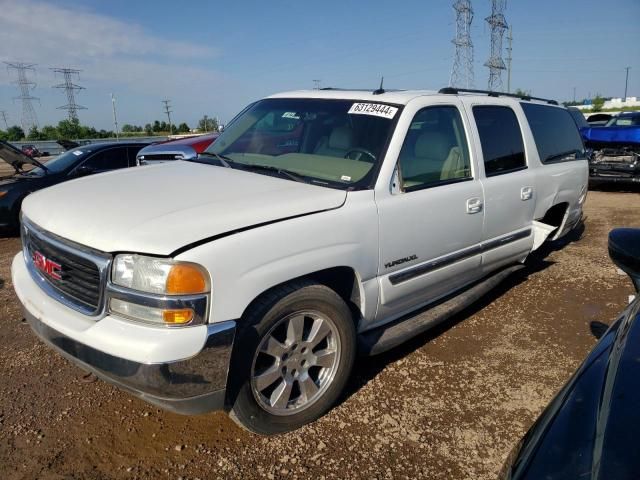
508	183
431	216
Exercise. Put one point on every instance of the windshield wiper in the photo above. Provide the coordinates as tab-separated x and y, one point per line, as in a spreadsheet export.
281	171
225	161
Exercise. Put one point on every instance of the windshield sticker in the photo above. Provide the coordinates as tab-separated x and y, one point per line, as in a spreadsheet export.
77	153
375	109
290	115
345	178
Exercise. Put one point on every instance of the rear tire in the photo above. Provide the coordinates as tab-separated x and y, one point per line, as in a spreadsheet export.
292	358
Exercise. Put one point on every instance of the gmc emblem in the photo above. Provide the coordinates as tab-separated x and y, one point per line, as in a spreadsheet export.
49	267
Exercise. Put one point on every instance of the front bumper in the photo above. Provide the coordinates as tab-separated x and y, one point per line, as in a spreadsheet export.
191	385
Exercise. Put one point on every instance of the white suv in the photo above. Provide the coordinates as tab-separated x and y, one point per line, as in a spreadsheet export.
316	225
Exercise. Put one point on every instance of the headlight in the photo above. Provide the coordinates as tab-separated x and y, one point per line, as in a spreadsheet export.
158	275
159	291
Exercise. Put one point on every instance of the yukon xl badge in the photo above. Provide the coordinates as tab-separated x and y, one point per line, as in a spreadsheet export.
400	261
47	266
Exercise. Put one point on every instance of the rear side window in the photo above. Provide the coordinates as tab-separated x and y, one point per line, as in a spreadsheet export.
501	139
555	133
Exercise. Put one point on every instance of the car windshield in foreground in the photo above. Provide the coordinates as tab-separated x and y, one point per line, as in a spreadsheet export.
337	143
59	164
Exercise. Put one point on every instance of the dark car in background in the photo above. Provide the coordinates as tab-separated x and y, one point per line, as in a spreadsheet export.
31	175
180	149
599	119
590	430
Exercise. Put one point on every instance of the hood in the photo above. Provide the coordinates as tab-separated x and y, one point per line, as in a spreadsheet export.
161	208
630	134
16	158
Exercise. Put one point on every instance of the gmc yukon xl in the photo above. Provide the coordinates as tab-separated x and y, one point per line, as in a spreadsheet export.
319	224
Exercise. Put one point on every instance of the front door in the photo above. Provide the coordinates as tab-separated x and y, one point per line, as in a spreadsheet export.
431	223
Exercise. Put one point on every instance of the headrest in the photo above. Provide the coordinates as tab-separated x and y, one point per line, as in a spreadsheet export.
434	145
341	138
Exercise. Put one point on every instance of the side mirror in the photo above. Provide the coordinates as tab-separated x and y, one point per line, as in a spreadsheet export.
624	250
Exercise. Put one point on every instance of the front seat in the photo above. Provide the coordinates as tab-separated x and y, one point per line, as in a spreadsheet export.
337	144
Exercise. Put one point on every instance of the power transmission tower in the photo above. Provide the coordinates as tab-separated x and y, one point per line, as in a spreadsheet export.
497	24
316	84
462	71
29	119
70	88
3	114
509	58
167	110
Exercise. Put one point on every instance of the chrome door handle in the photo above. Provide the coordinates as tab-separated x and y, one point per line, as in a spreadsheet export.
474	205
526	193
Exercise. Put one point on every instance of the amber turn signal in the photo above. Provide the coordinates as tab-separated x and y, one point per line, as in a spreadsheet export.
177	317
186	279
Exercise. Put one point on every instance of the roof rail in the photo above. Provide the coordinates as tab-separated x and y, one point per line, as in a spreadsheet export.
455	90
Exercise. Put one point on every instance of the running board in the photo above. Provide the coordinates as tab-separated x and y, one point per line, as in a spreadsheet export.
386	337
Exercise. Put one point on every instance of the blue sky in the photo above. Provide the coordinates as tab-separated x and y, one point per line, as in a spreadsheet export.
215	57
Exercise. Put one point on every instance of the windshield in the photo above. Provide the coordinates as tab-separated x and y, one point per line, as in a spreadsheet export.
333	142
61	163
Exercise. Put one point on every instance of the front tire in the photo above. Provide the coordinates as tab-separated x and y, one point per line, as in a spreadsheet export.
292	358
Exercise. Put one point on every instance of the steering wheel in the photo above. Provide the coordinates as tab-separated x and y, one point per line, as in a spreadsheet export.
360	152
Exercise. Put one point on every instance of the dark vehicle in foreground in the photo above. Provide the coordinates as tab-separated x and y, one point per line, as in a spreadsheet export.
615	150
590	429
181	149
77	162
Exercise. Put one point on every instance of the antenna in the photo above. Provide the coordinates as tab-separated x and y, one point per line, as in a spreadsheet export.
497	24
167	110
462	71
70	88
380	90
29	119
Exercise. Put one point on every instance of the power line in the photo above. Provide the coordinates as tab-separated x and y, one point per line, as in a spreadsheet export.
29	118
70	88
168	111
462	71
497	24
509	58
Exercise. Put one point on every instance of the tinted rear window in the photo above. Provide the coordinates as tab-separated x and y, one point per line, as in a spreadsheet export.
501	139
555	133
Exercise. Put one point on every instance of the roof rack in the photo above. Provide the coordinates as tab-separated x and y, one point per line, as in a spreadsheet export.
454	91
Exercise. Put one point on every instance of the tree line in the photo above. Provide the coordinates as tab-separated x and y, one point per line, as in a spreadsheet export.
72	130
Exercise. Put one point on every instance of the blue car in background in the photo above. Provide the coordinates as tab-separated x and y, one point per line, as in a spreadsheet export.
615	148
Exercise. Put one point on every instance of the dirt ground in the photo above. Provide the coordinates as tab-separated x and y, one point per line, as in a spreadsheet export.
450	404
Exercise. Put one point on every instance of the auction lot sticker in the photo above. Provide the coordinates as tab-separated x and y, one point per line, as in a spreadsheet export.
375	109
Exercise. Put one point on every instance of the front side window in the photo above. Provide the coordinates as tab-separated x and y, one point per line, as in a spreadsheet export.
435	150
554	132
501	139
338	143
110	159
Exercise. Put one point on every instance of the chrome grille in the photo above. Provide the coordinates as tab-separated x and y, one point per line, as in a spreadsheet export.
79	283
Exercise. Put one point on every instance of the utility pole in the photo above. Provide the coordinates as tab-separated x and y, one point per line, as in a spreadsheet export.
3	114
167	110
626	84
29	119
574	94
462	70
206	129
509	58
70	88
115	117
